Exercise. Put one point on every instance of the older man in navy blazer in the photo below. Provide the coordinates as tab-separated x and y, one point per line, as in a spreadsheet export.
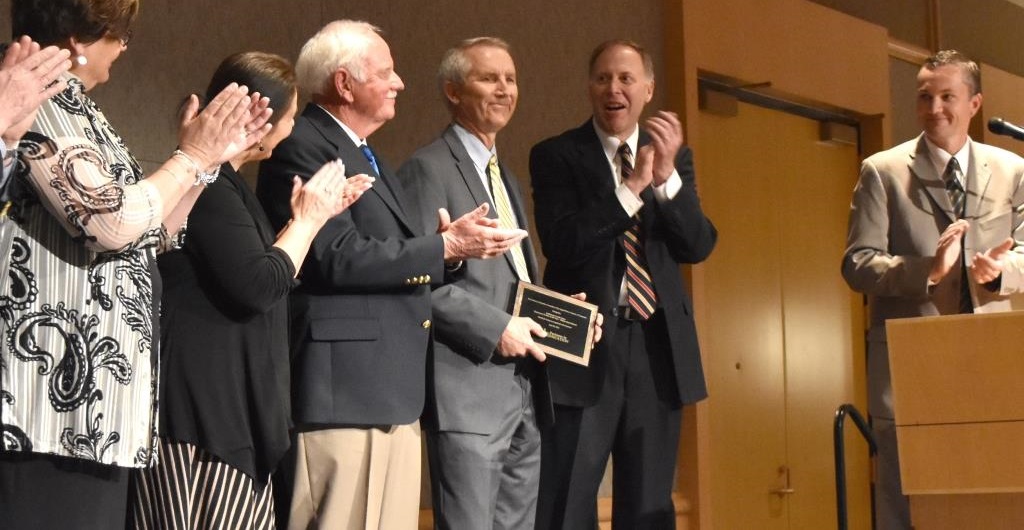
362	315
618	229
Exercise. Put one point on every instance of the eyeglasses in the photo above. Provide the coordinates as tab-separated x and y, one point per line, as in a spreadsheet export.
123	38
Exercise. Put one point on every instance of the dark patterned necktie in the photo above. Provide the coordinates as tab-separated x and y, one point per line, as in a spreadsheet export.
954	188
640	293
368	153
957	198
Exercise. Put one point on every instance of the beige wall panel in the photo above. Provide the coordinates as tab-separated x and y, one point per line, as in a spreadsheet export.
907	20
987	30
828	56
176	46
903	94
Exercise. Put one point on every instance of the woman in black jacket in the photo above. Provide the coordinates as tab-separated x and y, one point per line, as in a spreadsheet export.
224	414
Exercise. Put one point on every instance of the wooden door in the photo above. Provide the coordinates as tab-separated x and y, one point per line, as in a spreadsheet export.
782	335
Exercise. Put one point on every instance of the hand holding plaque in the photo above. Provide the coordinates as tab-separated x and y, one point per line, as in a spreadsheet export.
567	322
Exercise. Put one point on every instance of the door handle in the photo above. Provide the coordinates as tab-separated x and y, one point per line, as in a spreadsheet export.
787	488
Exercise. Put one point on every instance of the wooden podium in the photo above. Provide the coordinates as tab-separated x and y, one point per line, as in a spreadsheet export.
958	394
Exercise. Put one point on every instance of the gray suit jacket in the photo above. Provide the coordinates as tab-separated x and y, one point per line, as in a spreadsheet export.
899	209
469	386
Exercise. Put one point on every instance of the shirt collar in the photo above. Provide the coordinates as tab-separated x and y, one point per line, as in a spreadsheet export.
351	135
478	152
940	158
611	143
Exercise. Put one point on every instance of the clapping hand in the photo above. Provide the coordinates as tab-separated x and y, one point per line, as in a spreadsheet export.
947	251
666	137
28	77
987	266
231	123
327	193
474	235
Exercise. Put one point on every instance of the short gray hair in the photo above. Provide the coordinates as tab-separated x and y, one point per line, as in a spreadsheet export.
339	44
455	65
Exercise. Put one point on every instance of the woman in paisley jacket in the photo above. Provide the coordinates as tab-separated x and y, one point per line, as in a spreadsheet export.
224	366
80	292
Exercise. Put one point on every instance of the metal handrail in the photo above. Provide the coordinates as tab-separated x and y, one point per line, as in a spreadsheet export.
839	446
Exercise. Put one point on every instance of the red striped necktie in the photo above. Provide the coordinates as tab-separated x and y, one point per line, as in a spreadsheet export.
640	293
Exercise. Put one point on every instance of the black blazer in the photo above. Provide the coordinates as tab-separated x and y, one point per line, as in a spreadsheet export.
580	223
361	317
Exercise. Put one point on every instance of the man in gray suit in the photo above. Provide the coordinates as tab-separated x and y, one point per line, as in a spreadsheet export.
936	228
483	442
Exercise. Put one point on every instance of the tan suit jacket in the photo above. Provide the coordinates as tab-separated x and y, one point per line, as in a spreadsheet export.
900	207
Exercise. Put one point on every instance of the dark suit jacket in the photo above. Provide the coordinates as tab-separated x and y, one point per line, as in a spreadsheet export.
581	223
470	385
361	316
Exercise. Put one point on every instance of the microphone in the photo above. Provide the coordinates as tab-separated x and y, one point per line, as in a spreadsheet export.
1005	128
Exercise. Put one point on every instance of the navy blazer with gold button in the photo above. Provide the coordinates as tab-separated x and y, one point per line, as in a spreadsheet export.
361	317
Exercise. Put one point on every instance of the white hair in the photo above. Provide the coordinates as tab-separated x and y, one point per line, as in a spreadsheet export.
340	44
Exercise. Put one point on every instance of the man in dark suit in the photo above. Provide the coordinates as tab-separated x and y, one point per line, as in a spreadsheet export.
618	232
361	316
483	440
935	226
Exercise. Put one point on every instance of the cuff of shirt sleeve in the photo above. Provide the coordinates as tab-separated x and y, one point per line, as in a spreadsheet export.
670	188
630	203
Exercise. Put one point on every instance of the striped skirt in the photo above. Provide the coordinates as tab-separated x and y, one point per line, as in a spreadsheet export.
190	489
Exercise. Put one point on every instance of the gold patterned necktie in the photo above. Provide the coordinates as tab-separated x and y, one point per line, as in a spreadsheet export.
506	218
640	294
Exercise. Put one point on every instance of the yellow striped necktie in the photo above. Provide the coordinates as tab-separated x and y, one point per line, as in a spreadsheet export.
506	218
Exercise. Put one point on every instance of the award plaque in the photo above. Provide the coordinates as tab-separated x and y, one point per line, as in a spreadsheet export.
568	322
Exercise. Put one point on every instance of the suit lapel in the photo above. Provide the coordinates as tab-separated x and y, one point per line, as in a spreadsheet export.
356	162
391	192
468	171
593	160
480	194
595	165
923	170
978	177
647	212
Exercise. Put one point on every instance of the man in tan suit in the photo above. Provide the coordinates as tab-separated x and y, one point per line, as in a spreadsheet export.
936	227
